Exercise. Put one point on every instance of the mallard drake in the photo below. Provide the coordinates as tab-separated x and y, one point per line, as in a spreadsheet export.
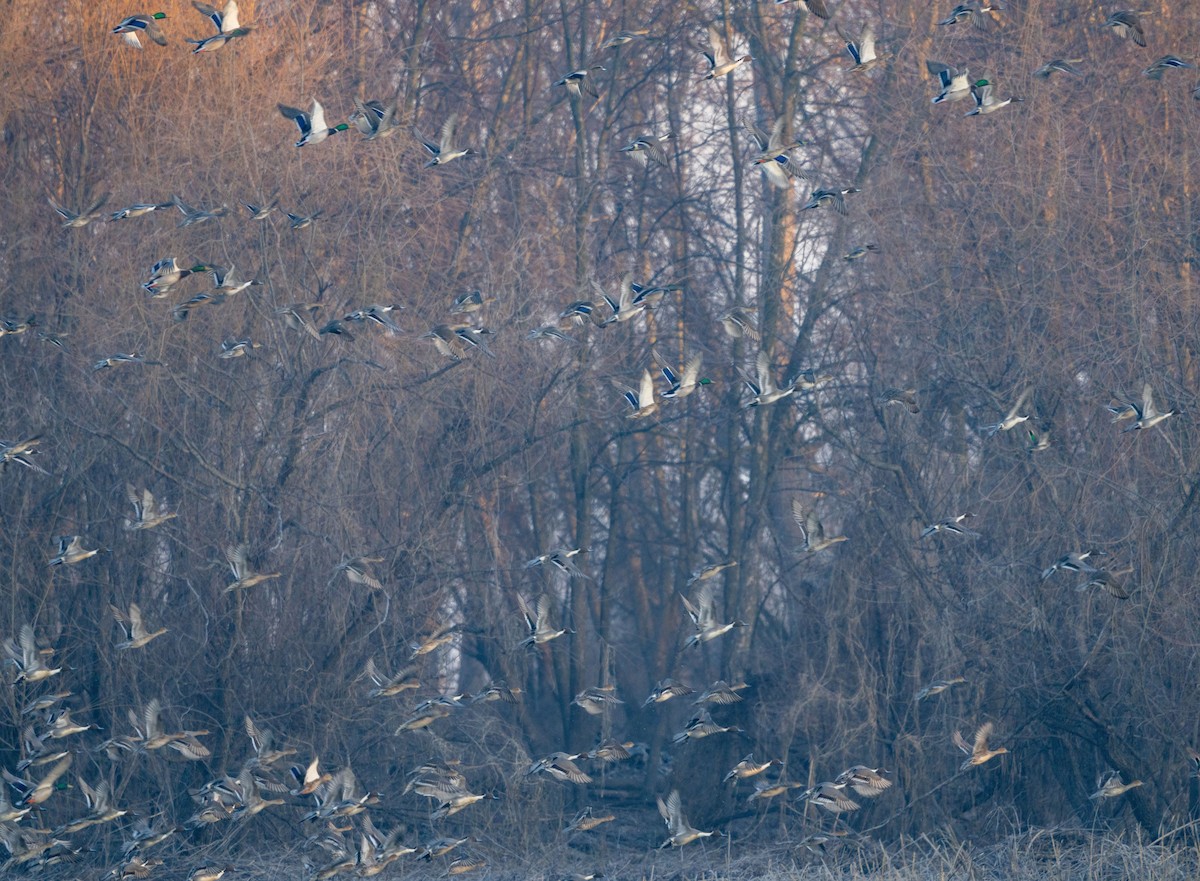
1037	443
867	782
218	41
71	551
772	157
985	102
704	617
225	21
136	634
719	61
597	700
978	752
1109	785
834	199
623	307
812	530
862	50
139	209
642	399
620	39
243	576
1148	415
831	796
684	384
701	726
951	525
232	348
1065	65
540	629
738	324
747	768
166	273
954	84
1012	418
585	821
1127	24
763	386
196	215
938	687
1073	561
78	220
647	146
36	794
812	7
444	150
312	125
1113	583
561	766
679	830
130	28
721	693
374	120
965	12
579	82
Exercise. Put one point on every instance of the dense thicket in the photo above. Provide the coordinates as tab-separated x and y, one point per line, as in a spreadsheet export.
1048	246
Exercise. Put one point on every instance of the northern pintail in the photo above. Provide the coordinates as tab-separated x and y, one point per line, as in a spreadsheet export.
1063	65
951	525
80	219
147	512
664	690
867	782
747	768
702	725
679	830
390	686
720	61
30	661
580	82
1073	561
1012	418
356	571
243	576
444	150
647	146
1109	785
597	700
702	611
712	570
136	633
196	215
812	529
1148	415
139	209
812	7
299	316
373	119
938	687
232	348
834	199
1167	62
585	821
978	752
831	796
722	693
540	629
71	551
122	358
905	397
1112	583
859	251
968	12
620	39
1127	24
561	766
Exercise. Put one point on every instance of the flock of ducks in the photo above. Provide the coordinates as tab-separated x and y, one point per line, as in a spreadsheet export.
329	799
